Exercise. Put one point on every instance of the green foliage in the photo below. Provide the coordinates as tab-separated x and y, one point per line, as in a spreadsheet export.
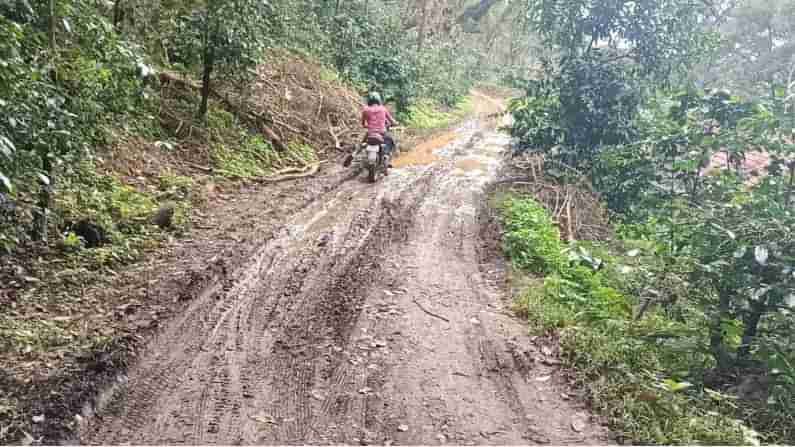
537	116
175	187
721	246
102	199
657	36
123	212
446	73
739	237
238	154
425	115
579	108
756	48
58	101
368	45
392	75
531	239
636	371
590	94
226	36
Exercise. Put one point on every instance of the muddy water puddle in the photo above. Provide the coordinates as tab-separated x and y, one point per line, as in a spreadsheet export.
472	153
470	164
424	154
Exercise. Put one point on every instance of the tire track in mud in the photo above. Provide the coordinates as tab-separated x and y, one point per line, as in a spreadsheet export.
467	375
256	333
325	323
323	335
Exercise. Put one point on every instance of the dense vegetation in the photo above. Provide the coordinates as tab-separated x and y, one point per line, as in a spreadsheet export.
680	329
76	74
686	321
119	118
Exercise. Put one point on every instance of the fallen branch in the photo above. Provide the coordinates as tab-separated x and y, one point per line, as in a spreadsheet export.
282	178
287	126
293	169
206	169
333	135
429	312
170	78
320	106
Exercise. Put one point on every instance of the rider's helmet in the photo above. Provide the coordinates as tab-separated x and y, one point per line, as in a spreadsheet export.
374	98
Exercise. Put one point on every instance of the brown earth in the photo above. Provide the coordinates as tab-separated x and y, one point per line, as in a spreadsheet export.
348	313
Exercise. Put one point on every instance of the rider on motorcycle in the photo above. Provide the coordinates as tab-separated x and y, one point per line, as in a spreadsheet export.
376	118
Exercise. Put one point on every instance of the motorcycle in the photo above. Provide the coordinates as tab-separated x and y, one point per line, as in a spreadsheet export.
375	157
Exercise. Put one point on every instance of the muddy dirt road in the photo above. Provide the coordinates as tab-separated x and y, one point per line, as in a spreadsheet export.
373	317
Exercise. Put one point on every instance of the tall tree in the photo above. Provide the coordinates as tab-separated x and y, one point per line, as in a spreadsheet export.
758	46
223	34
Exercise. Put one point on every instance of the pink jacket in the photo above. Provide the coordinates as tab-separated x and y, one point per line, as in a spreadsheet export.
375	118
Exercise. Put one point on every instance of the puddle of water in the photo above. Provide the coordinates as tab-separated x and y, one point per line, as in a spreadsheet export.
469	164
423	154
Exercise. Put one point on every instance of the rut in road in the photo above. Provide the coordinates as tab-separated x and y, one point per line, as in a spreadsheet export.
328	335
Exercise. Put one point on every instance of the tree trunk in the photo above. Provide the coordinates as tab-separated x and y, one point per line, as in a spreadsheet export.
751	321
41	213
718	347
118	15
44	204
208	60
51	25
206	77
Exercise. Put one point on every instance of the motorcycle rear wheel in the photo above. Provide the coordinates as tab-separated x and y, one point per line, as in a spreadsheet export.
371	173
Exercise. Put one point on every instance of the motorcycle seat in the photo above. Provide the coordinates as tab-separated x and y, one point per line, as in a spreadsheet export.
375	139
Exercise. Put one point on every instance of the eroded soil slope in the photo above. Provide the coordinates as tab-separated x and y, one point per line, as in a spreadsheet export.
372	316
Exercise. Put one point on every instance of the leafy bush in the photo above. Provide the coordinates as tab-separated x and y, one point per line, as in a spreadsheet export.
342	35
58	100
722	243
537	117
175	187
635	370
531	239
719	238
391	73
103	200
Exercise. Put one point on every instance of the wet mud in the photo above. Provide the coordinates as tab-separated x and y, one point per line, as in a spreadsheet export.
372	316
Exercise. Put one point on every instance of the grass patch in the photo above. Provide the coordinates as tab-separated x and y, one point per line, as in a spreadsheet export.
642	374
238	154
53	333
426	115
123	213
329	74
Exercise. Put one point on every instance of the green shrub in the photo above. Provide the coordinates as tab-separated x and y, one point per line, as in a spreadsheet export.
103	199
531	239
637	372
